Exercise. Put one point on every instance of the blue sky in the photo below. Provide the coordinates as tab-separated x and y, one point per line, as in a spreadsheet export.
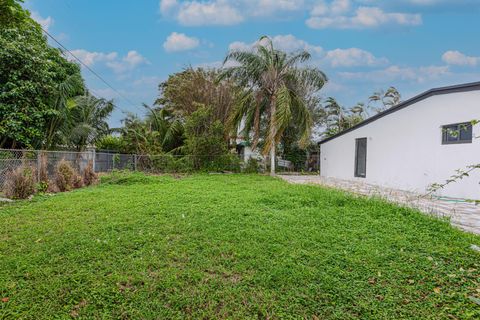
362	45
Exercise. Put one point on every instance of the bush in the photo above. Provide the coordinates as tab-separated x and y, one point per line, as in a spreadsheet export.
252	166
65	176
43	181
228	162
89	175
168	163
77	181
20	183
111	143
204	139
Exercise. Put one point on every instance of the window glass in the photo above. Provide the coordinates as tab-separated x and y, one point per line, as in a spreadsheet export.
457	133
466	132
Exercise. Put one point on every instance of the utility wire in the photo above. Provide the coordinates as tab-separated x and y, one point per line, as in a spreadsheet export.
90	69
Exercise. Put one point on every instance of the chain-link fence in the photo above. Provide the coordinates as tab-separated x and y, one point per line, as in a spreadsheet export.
105	161
11	159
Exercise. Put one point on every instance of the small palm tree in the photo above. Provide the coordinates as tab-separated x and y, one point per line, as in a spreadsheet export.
272	78
65	91
169	125
88	120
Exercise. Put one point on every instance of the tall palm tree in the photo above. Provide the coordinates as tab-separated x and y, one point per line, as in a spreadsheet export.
88	120
389	98
335	117
272	78
359	110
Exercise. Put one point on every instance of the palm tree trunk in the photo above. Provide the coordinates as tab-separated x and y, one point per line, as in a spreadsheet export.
272	160
273	110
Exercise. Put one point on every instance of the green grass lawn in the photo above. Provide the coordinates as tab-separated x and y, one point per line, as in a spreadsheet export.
229	246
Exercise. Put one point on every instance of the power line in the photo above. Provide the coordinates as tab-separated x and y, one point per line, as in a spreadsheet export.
90	69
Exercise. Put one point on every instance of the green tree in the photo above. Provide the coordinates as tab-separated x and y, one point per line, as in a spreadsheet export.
185	92
160	132
32	81
12	13
272	78
204	141
88	120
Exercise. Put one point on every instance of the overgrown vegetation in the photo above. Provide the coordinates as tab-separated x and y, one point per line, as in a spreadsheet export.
236	246
20	183
25	181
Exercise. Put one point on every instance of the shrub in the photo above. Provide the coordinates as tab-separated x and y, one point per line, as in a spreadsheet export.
204	139
227	162
43	181
52	187
42	186
252	166
65	176
20	183
77	181
111	143
89	175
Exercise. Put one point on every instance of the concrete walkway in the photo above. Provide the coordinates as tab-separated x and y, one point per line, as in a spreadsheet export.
462	214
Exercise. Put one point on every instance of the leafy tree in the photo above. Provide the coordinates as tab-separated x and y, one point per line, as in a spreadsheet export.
184	92
112	143
32	78
88	120
204	141
272	78
12	13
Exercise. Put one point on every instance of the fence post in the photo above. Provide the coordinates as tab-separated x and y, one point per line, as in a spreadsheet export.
135	162
39	165
94	156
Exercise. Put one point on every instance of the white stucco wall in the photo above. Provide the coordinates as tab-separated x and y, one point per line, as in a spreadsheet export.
405	150
250	153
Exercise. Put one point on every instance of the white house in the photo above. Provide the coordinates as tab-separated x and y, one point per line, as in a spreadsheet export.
421	141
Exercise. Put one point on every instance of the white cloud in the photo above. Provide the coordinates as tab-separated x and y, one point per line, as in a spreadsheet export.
129	62
132	60
269	7
167	5
353	57
46	23
287	43
459	59
350	57
218	12
364	17
396	73
180	42
340	14
338	7
90	58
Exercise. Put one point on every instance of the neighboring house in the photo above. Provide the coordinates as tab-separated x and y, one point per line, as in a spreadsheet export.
245	151
421	141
